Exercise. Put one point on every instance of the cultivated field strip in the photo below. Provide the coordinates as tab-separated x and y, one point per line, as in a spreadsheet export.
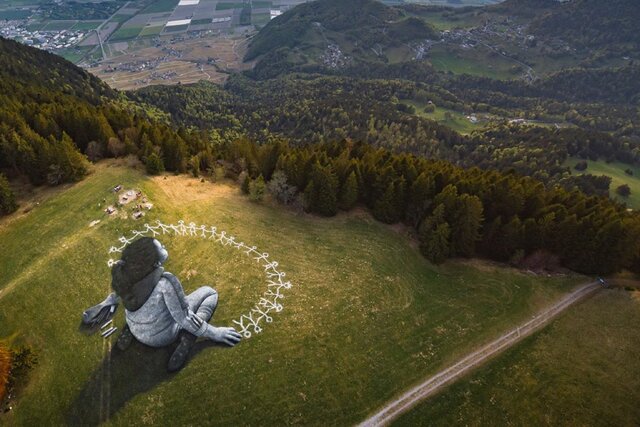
432	385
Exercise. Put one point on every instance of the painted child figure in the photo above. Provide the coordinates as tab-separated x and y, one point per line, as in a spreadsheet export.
157	311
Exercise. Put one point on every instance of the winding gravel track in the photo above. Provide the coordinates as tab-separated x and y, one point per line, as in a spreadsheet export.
433	384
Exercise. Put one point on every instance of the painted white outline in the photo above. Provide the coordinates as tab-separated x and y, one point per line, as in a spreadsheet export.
270	300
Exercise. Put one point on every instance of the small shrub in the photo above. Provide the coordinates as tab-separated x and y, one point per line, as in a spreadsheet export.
244	181
280	189
154	164
517	257
218	173
406	108
623	190
22	360
581	166
257	189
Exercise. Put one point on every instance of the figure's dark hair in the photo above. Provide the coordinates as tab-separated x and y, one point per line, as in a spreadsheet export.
138	260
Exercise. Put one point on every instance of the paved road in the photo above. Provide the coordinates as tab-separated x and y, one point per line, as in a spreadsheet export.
433	384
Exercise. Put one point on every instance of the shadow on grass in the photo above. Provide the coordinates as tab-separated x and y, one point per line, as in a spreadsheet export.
121	376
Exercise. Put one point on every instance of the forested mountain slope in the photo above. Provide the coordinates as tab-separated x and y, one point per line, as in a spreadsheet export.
336	34
241	131
35	67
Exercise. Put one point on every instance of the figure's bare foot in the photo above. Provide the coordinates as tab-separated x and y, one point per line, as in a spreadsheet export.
181	353
224	335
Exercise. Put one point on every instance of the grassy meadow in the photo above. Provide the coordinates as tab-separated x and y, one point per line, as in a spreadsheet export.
477	62
367	317
583	369
455	119
616	171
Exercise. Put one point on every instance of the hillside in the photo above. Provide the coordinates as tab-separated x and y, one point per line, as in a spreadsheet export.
395	231
593	25
367	315
334	34
56	116
568	374
620	174
522	56
20	64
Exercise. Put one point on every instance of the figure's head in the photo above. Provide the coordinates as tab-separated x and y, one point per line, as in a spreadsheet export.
162	251
139	259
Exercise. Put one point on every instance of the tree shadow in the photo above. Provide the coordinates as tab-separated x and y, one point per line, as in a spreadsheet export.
121	376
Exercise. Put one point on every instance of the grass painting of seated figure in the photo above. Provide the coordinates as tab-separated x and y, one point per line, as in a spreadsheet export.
157	311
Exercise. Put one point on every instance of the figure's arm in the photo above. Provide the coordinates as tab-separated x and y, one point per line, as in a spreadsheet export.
176	301
101	312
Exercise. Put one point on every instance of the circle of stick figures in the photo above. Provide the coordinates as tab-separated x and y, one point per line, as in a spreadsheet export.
269	302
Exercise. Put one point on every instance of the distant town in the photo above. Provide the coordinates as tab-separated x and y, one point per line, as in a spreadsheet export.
86	34
47	40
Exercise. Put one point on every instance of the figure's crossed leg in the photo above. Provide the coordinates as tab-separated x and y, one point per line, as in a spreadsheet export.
203	302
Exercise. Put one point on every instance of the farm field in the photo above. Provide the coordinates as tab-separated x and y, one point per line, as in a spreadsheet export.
14	14
190	67
125	33
616	171
75	54
151	30
58	25
86	25
367	317
582	369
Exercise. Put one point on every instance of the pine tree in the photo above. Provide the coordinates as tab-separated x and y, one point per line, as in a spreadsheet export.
437	245
434	235
7	198
447	197
511	239
465	225
321	192
245	182
419	198
384	208
390	207
491	238
269	159
533	235
94	151
154	164
68	162
349	192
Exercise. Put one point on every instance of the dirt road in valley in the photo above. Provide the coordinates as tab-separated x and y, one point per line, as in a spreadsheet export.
447	376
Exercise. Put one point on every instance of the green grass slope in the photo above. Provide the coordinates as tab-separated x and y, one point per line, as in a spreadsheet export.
616	171
581	370
368	316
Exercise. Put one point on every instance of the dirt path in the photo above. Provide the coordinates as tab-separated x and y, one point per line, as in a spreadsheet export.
433	384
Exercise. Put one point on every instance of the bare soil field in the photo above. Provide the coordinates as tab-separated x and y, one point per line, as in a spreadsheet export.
177	62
